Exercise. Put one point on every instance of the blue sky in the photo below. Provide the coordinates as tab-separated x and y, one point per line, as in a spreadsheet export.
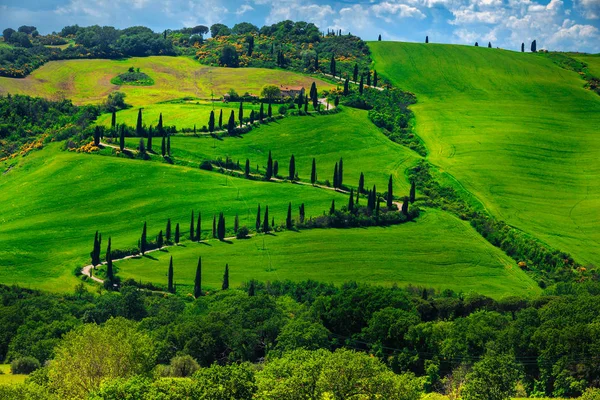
556	24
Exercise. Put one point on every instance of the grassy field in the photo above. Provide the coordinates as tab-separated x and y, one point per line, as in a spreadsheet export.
438	251
54	201
182	115
348	134
8	378
517	131
88	81
592	61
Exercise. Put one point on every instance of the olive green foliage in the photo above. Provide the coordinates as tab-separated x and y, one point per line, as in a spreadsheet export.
24	365
493	378
131	77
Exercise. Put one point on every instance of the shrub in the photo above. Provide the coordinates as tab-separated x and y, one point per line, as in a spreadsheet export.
24	365
242	233
591	394
206	165
183	366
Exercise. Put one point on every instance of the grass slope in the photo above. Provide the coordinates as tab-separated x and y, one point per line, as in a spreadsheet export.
348	134
54	201
182	115
88	81
517	131
439	251
7	378
592	61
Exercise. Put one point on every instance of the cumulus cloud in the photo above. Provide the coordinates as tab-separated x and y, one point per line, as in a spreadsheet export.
386	9
243	9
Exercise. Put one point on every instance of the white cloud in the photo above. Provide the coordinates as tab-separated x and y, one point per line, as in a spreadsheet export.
467	16
590	9
385	9
243	9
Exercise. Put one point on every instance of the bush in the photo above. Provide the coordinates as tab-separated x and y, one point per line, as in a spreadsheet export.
206	165
591	394
183	366
242	233
24	365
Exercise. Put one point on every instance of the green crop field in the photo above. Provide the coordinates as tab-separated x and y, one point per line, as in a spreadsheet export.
438	251
348	134
7	378
518	132
88	81
54	201
182	115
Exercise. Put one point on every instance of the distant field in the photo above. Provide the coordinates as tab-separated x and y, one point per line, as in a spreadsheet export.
8	378
88	81
348	134
53	202
438	251
182	115
592	61
517	131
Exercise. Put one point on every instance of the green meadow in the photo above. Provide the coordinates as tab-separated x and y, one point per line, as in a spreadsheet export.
181	114
438	251
348	134
7	378
517	131
88	81
54	201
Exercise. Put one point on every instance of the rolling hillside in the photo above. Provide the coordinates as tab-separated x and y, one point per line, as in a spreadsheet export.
88	81
517	131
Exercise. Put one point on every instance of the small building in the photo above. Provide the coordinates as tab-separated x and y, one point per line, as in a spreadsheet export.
291	91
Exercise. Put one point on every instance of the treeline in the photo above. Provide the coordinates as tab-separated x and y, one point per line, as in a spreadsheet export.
418	339
30	51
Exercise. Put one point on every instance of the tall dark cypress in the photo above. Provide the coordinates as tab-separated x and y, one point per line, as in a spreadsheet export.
170	276
390	196
270	111
275	168
288	220
266	227
341	173
258	219
361	183
346	88
261	113
332	66
143	241
252	117
95	251
150	134
225	285
198	279
351	200
379	38
313	91
405	205
122	138
163	146
269	171
109	264
306	104
361	84
292	169
236	223
534	46
221	119
177	233
301	213
113	121
522	47
241	113
199	227
211	122
489	45
317	62
368	78
313	172
413	192
375	79
377	205
221	227
332	208
168	230
247	169
214	231
97	136
139	128
335	176
426	39
355	73
231	123
192	237
160	240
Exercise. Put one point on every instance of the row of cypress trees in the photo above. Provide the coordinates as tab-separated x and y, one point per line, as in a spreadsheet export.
171	286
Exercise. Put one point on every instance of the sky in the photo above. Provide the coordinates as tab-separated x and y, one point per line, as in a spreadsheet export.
563	25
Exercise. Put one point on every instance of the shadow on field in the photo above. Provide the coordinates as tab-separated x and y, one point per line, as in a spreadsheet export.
150	257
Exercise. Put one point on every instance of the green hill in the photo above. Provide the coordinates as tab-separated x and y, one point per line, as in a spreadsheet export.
516	130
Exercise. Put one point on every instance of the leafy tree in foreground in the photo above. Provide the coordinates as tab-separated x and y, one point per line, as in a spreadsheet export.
170	276
492	378
198	279
225	285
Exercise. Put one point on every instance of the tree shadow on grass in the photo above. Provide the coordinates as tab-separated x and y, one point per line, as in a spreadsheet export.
150	257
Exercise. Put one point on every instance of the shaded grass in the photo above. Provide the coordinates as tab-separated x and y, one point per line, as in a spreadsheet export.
438	251
88	81
517	131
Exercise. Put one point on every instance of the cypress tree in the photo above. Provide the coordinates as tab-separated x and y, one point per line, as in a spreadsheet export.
214	231
211	122
476	44
258	219
346	88
269	171
306	104
335	176
361	85
194	129
522	47
426	39
355	73
251	288
163	146
292	170
177	233
150	134
369	78
252	118
122	138
340	179
221	227
357	197
199	227
361	183
168	231
313	91
170	276
94	253
225	285
332	208
275	168
317	62
273	223
221	119
231	123
288	220
198	279
241	113
351	201
261	113
413	191
332	66
534	46
313	172
142	147
139	129
375	78
99	247
301	213
97	136
236	223
266	227
113	121
270	111
247	169
143	242
390	196
489	45
405	206
377	206
160	240
109	264
379	38
192	237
